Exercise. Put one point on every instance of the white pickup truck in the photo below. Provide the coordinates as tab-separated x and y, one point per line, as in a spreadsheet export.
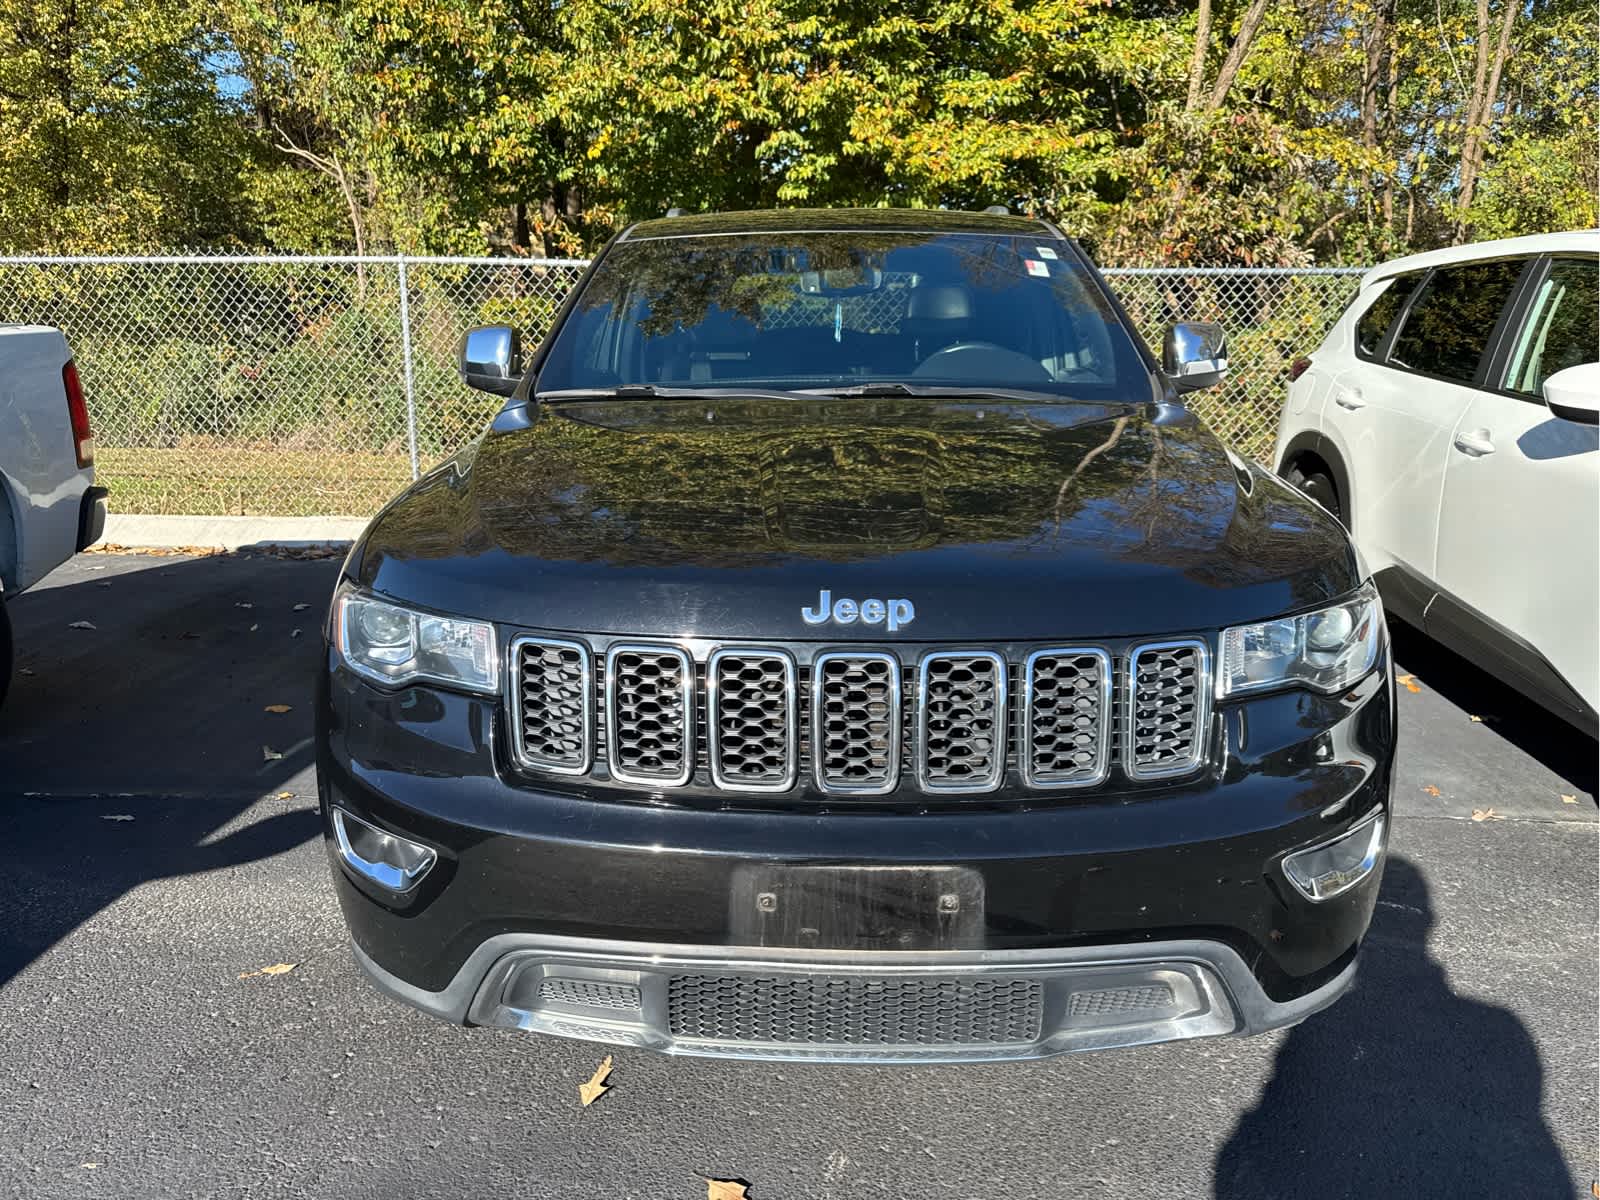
50	508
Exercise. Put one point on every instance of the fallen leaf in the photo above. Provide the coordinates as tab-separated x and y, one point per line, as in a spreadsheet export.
301	607
1475	720
1486	814
285	795
24	671
268	754
279	708
88	1166
243	604
727	1189
116	816
253	628
82	625
1410	684
1569	799
274	969
1432	791
295	634
597	1086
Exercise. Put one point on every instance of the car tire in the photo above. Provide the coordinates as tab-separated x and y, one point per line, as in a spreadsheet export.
1319	487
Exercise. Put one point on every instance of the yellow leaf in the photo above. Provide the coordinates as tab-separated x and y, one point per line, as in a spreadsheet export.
1569	799
1410	683
726	1189
283	708
1432	791
597	1086
285	795
1486	814
274	969
1475	720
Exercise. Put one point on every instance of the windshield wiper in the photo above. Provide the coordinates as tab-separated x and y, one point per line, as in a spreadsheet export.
649	391
930	391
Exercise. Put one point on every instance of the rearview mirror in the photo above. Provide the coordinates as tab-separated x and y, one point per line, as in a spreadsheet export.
1574	394
1195	355
489	358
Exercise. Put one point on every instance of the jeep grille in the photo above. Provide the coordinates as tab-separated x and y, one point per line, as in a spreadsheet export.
863	723
1168	708
650	714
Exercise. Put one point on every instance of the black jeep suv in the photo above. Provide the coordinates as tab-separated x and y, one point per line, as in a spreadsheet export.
844	643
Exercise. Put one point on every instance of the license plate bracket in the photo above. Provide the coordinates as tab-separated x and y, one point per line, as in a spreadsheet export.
827	907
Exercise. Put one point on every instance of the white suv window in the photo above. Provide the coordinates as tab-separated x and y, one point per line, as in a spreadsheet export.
1562	329
1374	323
1449	326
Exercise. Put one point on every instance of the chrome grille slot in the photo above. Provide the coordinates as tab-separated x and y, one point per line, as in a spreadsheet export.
1067	717
961	722
854	1011
752	720
855	719
553	705
1169	709
650	714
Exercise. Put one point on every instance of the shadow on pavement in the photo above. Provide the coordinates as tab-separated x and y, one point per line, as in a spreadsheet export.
1403	1088
158	714
1538	733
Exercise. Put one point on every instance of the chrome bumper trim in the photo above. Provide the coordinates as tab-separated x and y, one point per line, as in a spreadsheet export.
504	984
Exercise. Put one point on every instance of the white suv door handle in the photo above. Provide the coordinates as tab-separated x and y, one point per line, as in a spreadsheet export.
1350	400
1476	443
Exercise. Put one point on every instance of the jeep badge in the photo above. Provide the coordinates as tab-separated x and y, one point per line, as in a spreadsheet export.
869	612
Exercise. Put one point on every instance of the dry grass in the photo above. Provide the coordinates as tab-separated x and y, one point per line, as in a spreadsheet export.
224	482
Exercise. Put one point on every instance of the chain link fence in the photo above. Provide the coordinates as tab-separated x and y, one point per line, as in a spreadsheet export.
276	385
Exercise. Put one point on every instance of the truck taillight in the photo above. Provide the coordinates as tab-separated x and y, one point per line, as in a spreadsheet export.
82	435
1298	368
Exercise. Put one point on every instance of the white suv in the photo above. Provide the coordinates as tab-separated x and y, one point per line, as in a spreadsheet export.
1449	419
49	506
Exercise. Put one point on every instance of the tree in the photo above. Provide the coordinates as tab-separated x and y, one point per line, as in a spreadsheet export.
112	133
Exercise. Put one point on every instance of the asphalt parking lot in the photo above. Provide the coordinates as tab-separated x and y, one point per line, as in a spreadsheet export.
155	853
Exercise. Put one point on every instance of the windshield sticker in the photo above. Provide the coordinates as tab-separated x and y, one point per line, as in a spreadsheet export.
1035	267
1045	252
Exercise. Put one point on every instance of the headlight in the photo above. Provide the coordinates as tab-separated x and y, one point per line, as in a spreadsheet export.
394	645
1327	650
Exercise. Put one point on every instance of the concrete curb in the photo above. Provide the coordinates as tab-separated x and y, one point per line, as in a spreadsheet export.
230	533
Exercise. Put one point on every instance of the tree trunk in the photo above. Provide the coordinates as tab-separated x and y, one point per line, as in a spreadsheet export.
1481	111
1388	125
1197	65
62	188
1248	28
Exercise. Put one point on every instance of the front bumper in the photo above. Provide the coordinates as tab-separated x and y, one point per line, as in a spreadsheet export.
1117	917
900	1007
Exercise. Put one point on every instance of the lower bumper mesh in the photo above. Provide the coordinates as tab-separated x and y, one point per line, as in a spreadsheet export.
840	1011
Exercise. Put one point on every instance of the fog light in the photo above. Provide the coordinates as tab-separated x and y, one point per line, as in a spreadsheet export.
1325	871
388	860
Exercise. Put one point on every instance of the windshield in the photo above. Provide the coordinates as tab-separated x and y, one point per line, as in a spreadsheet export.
836	310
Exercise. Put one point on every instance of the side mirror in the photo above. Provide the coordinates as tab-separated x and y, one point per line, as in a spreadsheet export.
489	358
1574	394
1195	355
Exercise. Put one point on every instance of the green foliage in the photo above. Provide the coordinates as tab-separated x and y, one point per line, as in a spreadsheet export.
526	127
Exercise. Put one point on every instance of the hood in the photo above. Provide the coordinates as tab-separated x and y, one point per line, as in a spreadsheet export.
727	518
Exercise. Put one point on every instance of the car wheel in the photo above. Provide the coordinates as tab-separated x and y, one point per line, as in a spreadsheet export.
1319	487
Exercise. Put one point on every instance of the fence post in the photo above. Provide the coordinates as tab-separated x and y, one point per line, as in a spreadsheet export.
405	351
